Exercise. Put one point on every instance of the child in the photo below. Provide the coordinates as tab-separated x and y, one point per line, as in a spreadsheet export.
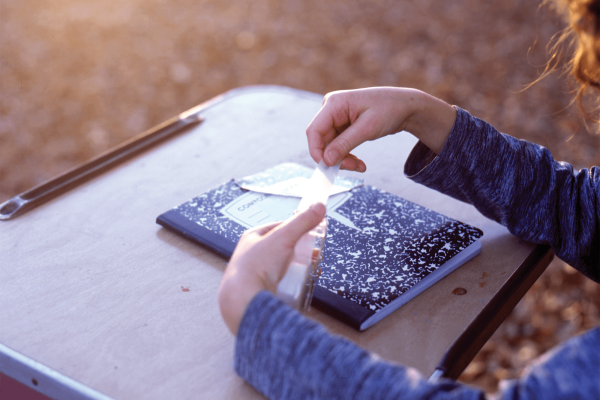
513	182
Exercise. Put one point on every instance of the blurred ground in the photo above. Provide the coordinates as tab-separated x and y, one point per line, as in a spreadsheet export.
80	76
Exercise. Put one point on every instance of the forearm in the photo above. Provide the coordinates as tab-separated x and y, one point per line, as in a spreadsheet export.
519	185
286	356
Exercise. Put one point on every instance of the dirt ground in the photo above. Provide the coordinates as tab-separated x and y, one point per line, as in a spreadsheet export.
78	77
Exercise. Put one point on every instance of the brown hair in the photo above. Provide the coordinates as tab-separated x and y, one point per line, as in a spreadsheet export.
584	23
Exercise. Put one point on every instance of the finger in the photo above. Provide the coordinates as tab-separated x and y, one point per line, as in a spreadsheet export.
352	163
292	230
263	229
357	133
331	119
319	136
316	142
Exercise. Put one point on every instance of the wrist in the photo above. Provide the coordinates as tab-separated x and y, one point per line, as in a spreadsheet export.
430	120
234	297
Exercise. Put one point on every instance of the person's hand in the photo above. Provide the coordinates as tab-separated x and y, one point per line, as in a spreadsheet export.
260	261
349	118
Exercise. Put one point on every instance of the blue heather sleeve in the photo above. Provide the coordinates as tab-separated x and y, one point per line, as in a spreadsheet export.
519	185
570	371
286	356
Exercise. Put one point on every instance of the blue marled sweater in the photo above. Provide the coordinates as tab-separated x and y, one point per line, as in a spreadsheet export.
286	356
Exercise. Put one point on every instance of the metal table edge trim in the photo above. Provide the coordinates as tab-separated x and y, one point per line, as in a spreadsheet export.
44	379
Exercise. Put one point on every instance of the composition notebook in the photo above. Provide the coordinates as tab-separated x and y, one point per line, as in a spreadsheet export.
380	251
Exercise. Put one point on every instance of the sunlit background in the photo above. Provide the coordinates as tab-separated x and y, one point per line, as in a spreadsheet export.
80	76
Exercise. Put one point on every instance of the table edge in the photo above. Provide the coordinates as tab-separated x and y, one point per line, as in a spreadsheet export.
44	379
466	346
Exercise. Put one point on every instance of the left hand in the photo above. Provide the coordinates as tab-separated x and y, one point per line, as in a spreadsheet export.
349	118
260	261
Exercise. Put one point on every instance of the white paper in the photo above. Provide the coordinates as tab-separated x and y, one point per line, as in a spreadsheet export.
319	186
254	209
294	187
277	202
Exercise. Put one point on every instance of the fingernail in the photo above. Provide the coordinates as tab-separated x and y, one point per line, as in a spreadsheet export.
332	156
316	206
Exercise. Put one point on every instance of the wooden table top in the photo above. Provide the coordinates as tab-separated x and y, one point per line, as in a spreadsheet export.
94	290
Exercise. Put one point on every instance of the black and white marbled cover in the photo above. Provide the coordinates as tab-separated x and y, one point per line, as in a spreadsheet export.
204	211
397	244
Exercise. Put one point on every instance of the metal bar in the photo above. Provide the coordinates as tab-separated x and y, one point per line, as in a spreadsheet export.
43	379
472	339
97	165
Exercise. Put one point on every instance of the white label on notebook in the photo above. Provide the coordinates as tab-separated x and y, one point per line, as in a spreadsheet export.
254	209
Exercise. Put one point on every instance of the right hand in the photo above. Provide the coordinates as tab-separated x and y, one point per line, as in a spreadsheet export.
260	261
349	118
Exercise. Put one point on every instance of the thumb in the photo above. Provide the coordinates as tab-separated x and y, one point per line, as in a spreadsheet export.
357	133
292	230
